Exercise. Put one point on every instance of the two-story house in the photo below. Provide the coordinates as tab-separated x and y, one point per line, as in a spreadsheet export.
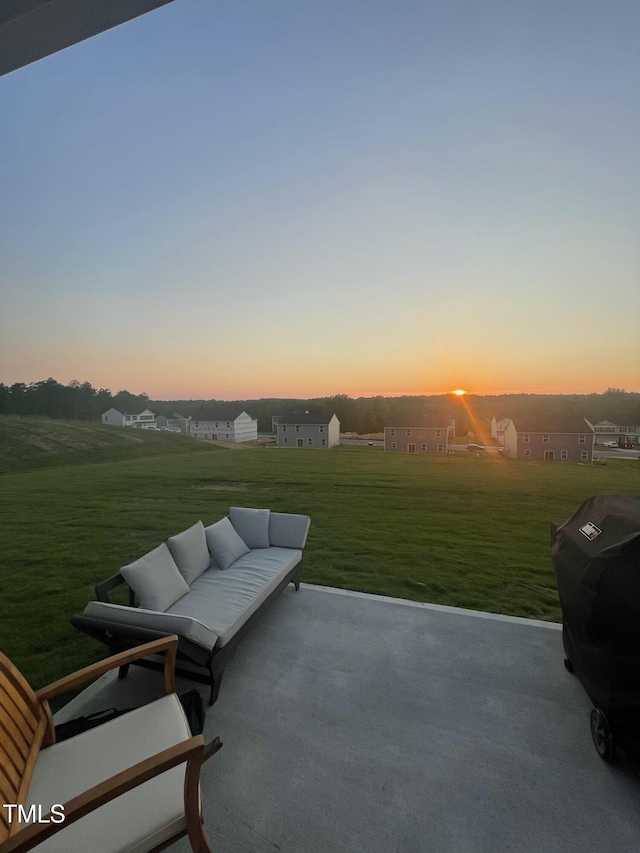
224	422
549	438
305	429
417	438
624	434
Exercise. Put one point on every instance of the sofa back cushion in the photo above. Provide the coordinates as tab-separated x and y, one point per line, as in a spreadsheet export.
224	543
288	531
251	525
190	552
155	579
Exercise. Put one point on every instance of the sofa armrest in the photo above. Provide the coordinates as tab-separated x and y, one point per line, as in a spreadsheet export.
165	623
287	530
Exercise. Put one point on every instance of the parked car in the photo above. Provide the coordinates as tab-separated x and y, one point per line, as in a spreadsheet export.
475	447
609	443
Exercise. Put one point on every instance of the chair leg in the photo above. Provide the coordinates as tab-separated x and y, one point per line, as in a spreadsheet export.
122	672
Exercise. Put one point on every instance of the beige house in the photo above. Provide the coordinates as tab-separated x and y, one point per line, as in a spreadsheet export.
417	439
498	427
550	439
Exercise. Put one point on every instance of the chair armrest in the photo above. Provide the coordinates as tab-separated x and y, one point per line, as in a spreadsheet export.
168	644
88	801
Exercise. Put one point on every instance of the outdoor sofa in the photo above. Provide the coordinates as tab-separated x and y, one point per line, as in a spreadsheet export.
207	585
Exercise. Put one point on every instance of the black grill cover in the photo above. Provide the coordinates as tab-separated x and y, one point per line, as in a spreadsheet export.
596	557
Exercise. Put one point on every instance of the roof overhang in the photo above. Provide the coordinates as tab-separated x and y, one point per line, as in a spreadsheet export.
33	29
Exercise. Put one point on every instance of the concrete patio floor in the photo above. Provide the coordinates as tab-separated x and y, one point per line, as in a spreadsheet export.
361	724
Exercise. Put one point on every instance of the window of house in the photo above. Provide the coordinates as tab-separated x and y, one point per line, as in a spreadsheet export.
438	433
564	454
582	439
623	429
527	452
284	427
286	440
392	432
545	439
440	448
310	442
584	454
526	438
394	445
423	446
228	425
321	429
297	429
324	442
408	433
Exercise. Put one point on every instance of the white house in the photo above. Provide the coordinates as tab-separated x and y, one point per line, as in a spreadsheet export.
113	417
225	423
308	430
498	428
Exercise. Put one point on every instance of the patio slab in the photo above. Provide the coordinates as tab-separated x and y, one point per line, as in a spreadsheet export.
362	724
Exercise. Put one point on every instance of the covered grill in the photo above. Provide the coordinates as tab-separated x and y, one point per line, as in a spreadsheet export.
596	557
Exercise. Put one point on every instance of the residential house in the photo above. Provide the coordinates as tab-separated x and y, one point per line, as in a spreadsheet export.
112	417
144	420
549	438
303	429
224	422
115	418
417	438
176	422
620	431
498	427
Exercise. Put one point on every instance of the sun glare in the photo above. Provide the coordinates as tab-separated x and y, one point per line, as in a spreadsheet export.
459	392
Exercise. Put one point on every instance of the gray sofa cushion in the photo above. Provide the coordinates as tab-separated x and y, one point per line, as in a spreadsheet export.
165	623
225	600
287	530
224	543
155	579
190	552
251	525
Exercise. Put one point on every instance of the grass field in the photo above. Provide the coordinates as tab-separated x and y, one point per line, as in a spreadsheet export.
462	530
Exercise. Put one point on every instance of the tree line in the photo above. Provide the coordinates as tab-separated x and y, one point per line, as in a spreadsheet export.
80	401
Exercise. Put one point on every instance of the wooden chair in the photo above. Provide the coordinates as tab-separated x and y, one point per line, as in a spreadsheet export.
121	784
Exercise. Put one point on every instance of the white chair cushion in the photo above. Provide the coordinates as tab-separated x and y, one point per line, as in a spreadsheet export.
224	543
190	552
251	525
135	822
155	579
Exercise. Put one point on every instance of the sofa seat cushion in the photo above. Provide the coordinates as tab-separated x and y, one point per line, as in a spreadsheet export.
165	623
140	819
224	600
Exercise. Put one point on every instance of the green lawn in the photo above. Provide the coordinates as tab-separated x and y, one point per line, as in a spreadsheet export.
461	530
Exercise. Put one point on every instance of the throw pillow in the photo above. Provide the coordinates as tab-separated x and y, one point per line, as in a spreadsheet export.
224	543
252	525
190	552
155	579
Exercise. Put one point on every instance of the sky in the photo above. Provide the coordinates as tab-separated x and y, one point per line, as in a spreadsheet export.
300	199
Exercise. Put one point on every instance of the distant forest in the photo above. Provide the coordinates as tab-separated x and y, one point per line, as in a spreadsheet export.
82	402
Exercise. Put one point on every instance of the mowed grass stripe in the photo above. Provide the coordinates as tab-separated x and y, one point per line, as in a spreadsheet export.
461	530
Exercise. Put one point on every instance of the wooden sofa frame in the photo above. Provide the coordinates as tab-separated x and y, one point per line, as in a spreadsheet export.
214	661
26	725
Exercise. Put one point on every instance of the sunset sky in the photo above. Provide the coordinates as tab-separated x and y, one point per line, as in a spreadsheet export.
297	199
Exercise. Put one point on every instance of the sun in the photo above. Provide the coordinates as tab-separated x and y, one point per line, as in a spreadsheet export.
459	392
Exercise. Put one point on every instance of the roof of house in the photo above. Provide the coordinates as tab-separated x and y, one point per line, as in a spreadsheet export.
419	423
306	418
550	424
219	412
